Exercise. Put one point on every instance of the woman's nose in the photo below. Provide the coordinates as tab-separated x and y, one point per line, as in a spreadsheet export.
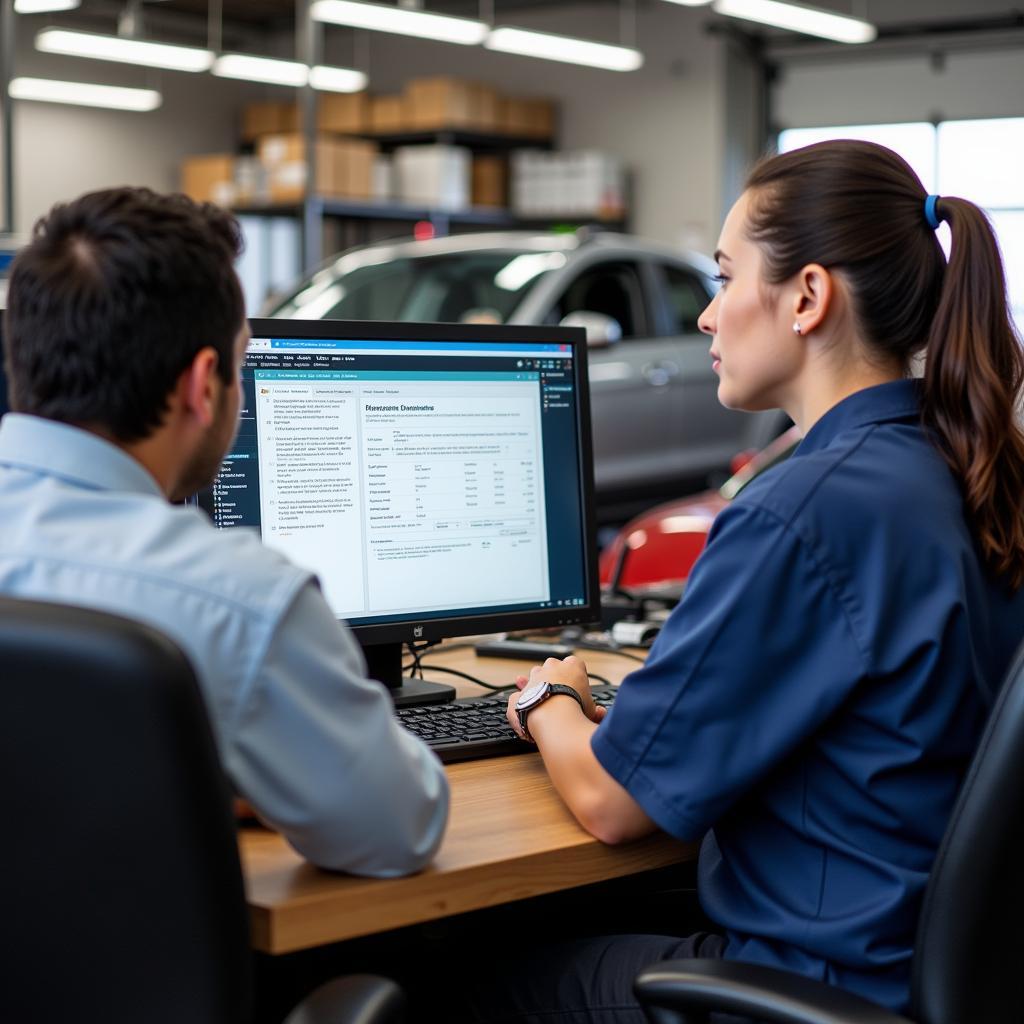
706	321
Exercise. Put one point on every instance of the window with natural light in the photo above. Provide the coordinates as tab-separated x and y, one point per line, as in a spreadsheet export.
979	160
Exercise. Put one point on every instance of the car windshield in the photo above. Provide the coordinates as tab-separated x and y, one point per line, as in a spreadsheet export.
465	287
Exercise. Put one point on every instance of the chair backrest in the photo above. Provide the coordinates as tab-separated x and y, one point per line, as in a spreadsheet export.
969	957
120	883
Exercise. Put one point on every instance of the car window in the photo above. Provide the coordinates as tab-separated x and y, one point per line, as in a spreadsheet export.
612	288
685	298
479	287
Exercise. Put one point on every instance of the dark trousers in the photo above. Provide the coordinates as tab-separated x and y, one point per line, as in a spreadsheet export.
580	981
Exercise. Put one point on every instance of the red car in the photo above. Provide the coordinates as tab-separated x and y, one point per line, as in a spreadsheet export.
658	548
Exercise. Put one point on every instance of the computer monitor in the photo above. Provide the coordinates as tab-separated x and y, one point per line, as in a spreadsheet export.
437	478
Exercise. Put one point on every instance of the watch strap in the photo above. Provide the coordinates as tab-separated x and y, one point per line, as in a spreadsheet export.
554	689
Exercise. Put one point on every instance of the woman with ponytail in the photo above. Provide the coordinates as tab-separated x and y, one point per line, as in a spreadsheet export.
811	706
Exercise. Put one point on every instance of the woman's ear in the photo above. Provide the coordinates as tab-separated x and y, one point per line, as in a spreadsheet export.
812	297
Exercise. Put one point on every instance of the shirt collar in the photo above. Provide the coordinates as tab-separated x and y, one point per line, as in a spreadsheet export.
78	456
894	400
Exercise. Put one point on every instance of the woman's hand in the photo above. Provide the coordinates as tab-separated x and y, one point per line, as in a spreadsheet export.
571	671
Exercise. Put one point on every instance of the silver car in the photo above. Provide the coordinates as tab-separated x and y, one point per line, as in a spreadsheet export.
658	425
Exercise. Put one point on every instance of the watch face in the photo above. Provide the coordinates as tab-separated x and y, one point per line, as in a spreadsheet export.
530	695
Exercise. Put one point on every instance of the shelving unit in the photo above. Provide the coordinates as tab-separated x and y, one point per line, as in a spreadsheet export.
359	215
479	142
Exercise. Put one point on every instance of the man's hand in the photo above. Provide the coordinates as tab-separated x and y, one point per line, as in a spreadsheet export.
570	672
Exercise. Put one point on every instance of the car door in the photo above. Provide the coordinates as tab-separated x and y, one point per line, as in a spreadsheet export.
707	434
630	379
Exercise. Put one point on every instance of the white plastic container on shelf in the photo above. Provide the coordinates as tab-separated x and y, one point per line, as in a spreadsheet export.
436	176
383	177
585	183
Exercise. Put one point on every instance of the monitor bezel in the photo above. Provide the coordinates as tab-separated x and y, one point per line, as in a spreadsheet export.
444	627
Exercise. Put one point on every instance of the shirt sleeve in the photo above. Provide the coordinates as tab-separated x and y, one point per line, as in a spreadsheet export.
757	655
319	754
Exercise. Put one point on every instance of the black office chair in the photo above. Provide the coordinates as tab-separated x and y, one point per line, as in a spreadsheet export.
120	887
968	967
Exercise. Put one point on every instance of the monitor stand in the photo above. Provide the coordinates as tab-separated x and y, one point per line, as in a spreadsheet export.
384	663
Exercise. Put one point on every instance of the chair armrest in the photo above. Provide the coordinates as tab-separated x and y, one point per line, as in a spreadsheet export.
675	990
354	999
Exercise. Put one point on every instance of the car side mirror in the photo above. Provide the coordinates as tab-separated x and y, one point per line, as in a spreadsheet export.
602	330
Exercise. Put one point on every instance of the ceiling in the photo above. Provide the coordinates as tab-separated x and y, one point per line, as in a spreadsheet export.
893	17
882	12
273	13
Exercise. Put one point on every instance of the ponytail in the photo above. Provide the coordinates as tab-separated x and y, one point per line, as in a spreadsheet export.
859	208
972	389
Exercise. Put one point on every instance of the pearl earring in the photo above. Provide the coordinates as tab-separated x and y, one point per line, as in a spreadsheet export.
797	328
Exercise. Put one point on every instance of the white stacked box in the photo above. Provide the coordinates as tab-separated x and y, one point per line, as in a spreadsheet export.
436	176
383	177
582	183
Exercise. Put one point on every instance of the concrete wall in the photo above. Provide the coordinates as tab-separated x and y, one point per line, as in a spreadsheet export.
811	93
61	151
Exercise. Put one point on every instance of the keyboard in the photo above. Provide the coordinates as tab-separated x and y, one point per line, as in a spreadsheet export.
474	727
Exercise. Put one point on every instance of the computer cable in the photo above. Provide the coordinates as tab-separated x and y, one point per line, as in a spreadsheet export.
417	651
463	675
491	686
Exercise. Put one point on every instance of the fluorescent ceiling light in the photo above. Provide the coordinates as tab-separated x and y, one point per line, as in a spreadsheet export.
809	20
261	69
336	79
83	94
125	51
564	48
690	3
43	6
400	20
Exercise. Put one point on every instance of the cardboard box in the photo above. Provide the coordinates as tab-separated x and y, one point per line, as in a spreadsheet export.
446	102
250	180
389	114
344	167
284	157
343	113
486	108
434	176
209	179
528	118
354	166
269	119
489	181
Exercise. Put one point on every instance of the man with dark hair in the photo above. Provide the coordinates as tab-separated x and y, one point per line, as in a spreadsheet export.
125	334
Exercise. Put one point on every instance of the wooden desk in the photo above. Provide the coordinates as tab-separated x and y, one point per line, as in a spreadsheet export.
509	837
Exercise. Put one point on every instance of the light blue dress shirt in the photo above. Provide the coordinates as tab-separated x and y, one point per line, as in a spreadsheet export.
303	736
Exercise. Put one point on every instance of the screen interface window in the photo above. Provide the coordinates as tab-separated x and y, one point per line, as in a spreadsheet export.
415	478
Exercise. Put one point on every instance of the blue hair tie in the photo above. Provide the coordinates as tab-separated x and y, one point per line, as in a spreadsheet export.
929	212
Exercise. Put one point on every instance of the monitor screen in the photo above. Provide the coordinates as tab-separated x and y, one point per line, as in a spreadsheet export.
436	478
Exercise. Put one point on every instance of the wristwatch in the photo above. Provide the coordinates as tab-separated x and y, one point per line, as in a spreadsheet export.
535	695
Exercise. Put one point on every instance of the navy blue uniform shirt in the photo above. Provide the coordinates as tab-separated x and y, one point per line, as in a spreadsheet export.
815	698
